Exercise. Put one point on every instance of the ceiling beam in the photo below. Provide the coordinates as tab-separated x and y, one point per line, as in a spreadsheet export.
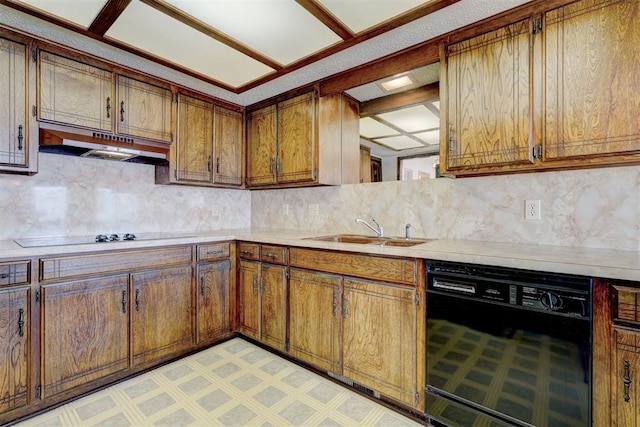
388	103
327	18
109	13
197	25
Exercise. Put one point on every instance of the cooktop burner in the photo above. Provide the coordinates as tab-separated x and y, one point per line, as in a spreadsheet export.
36	242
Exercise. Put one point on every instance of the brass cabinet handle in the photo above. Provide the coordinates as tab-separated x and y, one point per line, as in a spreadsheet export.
344	307
21	322
202	290
122	111
278	164
108	107
255	285
271	165
246	252
137	299
215	252
20	137
124	301
271	255
261	285
626	380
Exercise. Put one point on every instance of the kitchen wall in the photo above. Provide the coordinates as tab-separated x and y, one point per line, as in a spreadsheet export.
596	208
72	196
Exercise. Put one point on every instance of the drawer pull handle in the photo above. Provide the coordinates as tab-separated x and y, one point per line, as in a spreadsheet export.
626	380
124	301
246	252
21	322
270	255
137	299
4	276
202	290
215	252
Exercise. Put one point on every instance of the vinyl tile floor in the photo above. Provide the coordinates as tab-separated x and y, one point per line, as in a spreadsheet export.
232	384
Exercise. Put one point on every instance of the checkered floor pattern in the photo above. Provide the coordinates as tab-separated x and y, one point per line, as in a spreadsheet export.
232	384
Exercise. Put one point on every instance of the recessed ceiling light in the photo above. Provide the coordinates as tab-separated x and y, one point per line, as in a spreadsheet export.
397	83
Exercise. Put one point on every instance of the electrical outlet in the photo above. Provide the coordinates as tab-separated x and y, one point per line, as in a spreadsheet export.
532	209
215	210
285	209
313	210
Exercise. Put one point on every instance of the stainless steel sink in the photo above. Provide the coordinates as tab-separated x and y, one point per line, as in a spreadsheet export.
369	240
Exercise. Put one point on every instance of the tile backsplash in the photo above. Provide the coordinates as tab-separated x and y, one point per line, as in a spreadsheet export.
596	208
76	196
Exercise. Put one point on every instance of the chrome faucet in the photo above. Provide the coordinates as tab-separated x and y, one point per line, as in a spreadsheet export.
379	231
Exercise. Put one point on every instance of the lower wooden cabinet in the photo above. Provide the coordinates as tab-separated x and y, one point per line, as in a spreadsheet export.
213	292
625	378
315	309
84	331
14	351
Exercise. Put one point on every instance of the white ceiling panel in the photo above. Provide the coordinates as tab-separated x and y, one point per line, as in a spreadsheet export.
156	33
412	119
279	29
431	137
370	128
359	15
400	142
78	12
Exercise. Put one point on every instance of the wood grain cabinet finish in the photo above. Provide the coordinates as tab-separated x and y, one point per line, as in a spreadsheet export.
14	345
261	147
228	141
315	311
558	90
144	110
295	156
625	377
15	272
213	309
160	314
18	129
75	93
249	298
85	332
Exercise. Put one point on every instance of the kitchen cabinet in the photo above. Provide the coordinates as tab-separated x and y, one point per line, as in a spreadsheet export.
14	345
208	147
87	93
85	331
315	309
213	292
365	164
160	313
361	318
262	293
545	93
303	141
18	129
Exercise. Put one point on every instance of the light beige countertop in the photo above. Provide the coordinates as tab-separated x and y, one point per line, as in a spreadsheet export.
603	263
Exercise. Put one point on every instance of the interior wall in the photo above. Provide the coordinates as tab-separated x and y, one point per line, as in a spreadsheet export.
74	196
596	208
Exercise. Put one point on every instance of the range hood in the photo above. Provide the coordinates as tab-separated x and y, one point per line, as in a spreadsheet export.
79	142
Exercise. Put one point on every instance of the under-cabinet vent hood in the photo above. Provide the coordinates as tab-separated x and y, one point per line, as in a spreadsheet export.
79	142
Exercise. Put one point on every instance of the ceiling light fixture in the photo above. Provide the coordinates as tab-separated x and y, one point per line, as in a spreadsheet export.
396	83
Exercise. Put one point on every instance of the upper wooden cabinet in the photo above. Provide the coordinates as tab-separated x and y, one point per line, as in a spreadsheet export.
208	147
80	94
554	91
303	141
18	130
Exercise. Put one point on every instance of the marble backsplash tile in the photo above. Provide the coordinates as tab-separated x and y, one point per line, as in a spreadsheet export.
77	196
596	208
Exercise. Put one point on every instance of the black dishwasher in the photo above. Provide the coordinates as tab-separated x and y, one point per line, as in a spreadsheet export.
507	347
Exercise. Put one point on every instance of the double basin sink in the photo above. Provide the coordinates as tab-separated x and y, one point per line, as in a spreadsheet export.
367	240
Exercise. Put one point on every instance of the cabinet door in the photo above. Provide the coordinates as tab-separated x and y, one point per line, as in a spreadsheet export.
249	298
488	99
379	338
14	352
297	151
143	110
85	332
228	142
194	146
315	307
592	58
15	133
75	93
273	296
160	313
261	146
213	310
625	382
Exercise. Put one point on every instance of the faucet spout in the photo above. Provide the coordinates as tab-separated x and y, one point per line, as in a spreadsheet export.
379	230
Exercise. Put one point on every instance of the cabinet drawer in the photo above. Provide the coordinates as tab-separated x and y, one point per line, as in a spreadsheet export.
112	262
13	273
274	254
213	251
395	270
625	304
249	250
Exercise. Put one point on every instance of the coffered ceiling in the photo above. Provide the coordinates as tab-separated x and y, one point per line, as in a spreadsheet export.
233	44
